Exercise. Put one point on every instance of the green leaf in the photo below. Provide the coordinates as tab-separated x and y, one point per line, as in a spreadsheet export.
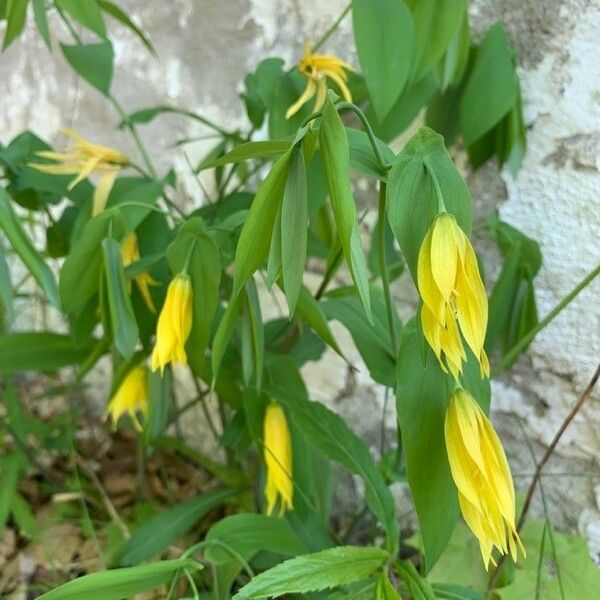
421	397
155	535
362	157
436	22
223	334
82	269
454	62
94	62
384	590
491	89
262	150
16	15
314	572
205	272
253	336
23	246
294	225
419	588
6	291
117	13
11	469
329	433
261	88
24	518
423	170
255	237
117	584
248	534
159	401
334	148
39	351
384	34
311	311
87	13
448	591
41	20
124	326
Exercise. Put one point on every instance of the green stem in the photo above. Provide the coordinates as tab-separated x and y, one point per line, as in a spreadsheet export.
332	29
383	266
508	358
383	166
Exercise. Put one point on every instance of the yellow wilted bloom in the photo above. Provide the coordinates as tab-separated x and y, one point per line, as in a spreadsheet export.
453	295
130	253
317	68
83	159
174	324
481	473
278	459
130	398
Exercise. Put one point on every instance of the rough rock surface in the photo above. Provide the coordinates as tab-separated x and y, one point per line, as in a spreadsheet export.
205	48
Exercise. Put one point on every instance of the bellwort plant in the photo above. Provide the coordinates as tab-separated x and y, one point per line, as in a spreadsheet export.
209	316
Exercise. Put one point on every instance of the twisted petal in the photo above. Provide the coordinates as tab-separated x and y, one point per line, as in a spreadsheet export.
307	94
102	191
340	79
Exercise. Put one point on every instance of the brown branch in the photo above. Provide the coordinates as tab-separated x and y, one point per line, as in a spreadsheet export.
538	469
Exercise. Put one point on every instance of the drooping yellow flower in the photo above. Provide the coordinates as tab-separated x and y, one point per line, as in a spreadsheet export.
83	159
454	298
317	68
481	473
130	398
130	253
174	324
278	459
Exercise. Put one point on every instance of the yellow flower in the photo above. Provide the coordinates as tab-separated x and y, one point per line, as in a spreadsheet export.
130	253
174	324
278	459
317	68
454	298
83	159
130	398
482	475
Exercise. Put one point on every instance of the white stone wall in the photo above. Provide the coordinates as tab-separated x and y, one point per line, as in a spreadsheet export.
206	46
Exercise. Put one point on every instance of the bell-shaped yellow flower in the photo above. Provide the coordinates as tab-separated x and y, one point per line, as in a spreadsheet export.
83	159
317	68
130	398
278	459
130	253
174	324
454	298
481	473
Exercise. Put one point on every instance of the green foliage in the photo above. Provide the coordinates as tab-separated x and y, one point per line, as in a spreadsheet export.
94	62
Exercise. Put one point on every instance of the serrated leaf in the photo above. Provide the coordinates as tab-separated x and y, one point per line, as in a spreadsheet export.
491	88
155	535
23	246
120	583
384	34
314	572
94	62
334	148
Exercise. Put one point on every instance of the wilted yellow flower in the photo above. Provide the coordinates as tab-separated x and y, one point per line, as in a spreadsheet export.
317	68
174	324
83	159
481	473
278	459
453	295
130	398
130	253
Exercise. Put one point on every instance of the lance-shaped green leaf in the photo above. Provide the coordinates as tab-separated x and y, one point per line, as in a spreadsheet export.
41	20
120	15
80	274
124	326
294	228
452	65
418	588
195	248
223	334
315	572
87	13
309	309
16	15
329	433
263	149
423	177
384	590
385	36
6	291
253	336
334	148
23	246
121	583
255	237
436	22
94	62
491	88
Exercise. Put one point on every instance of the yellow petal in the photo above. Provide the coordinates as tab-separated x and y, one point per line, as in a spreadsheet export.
444	254
306	95
340	81
321	95
426	284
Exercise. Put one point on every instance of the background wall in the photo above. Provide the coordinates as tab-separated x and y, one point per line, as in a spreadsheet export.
206	46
